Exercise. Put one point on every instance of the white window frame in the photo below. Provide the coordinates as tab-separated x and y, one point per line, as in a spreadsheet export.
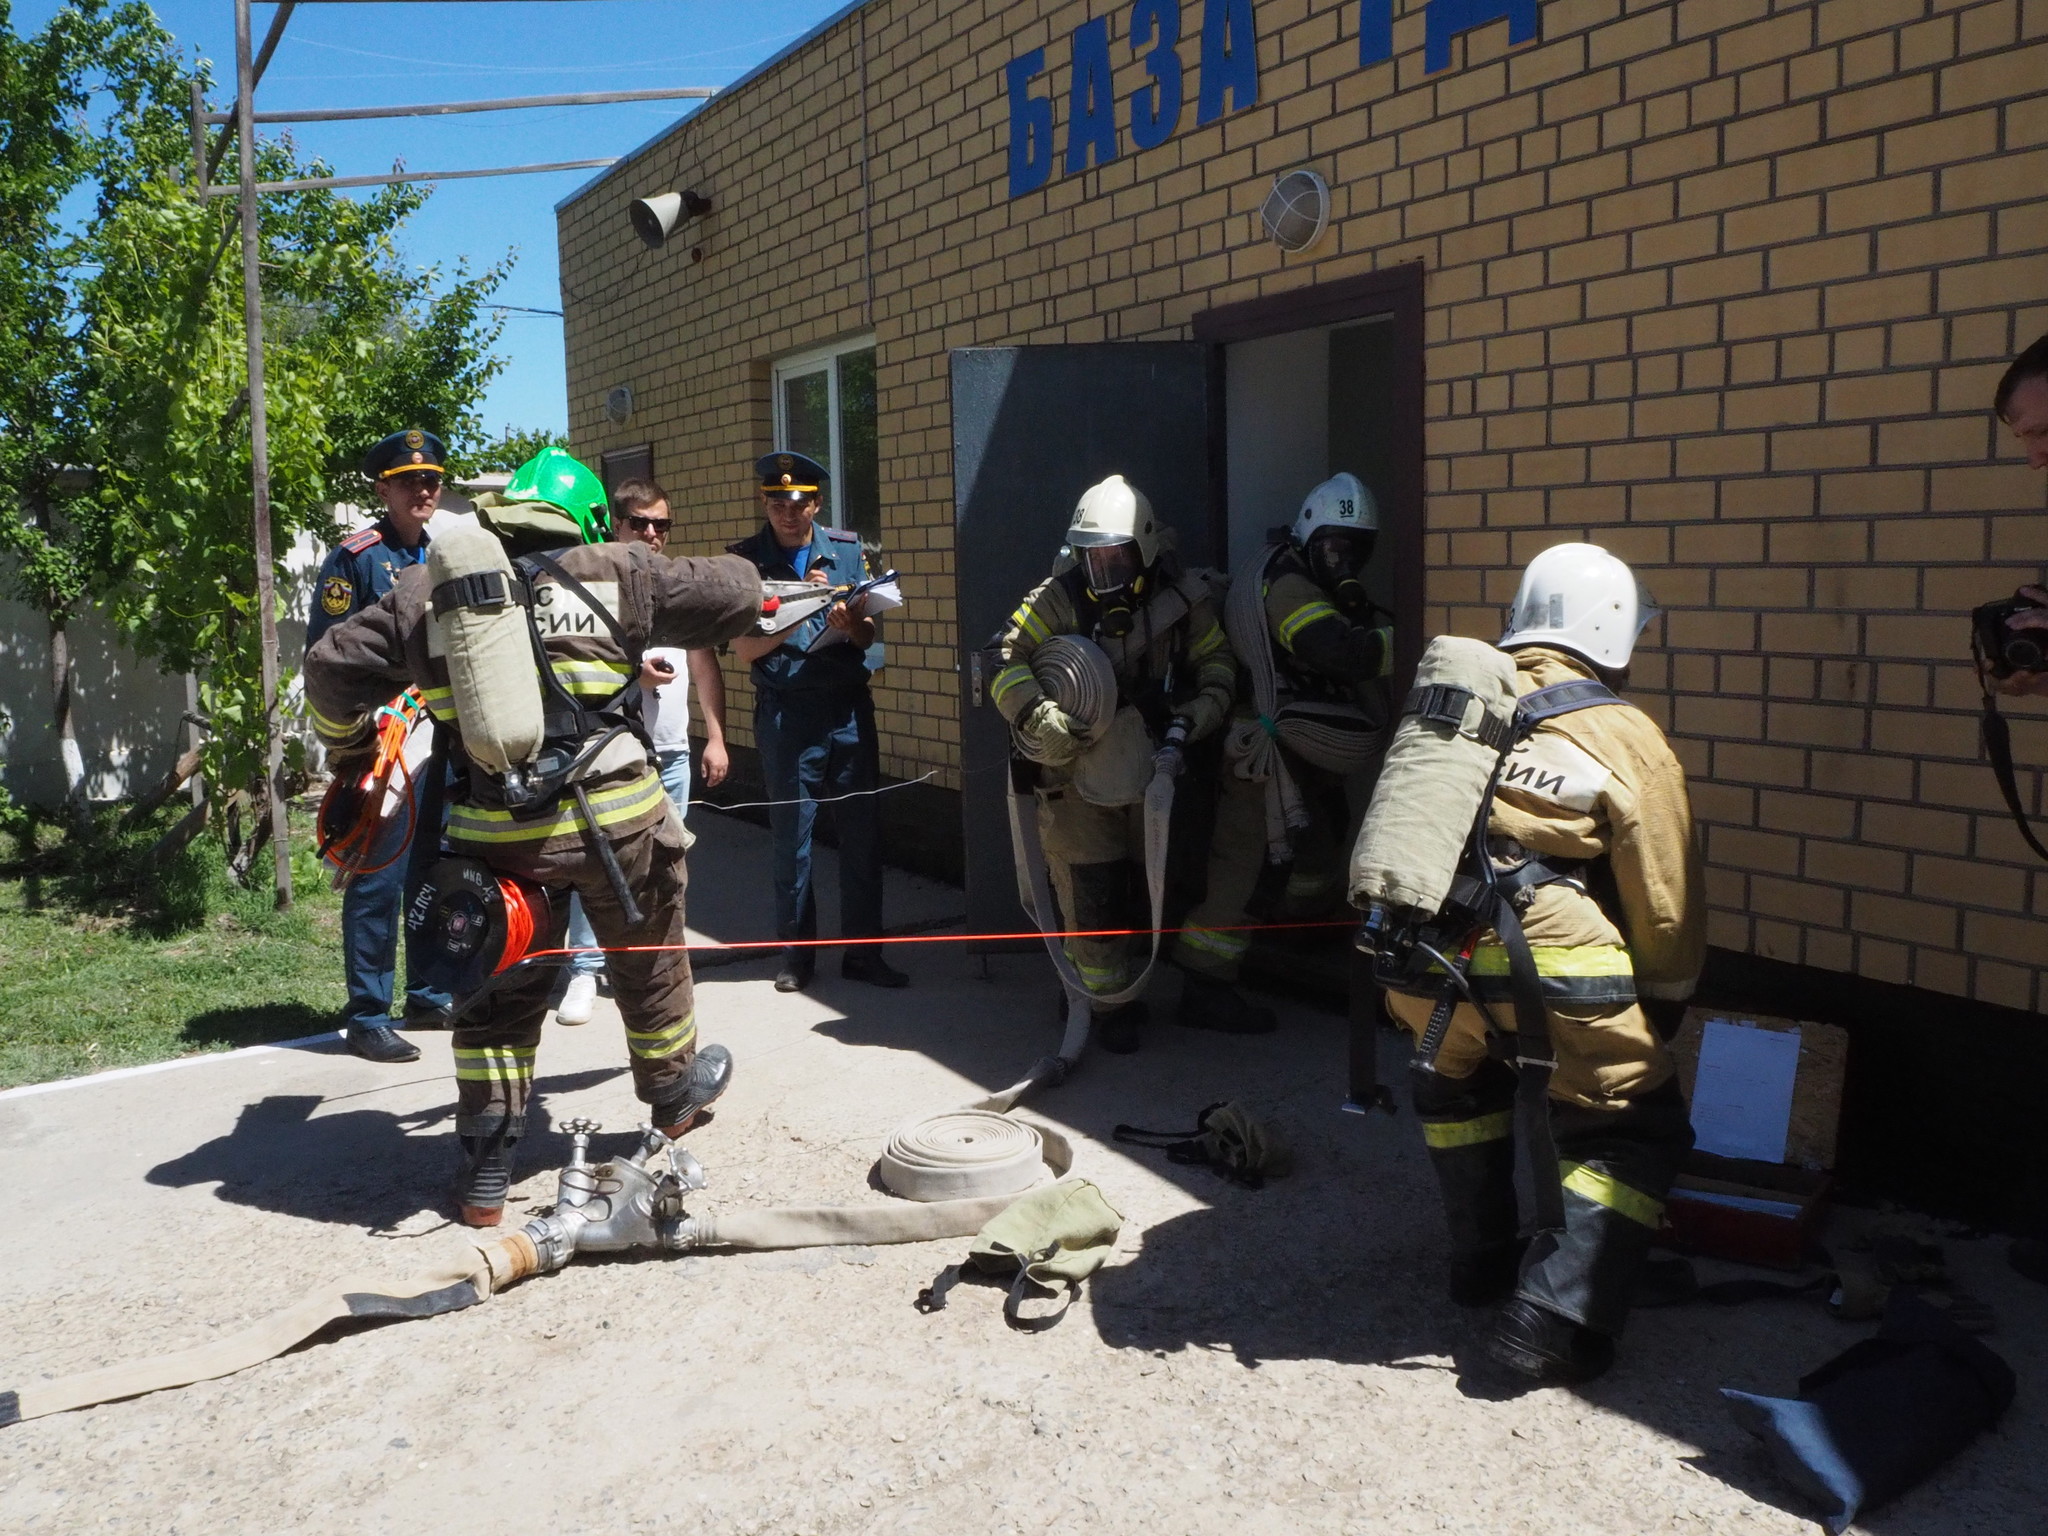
800	365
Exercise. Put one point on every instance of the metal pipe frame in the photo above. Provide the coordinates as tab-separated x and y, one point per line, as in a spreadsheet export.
259	451
446	108
315	183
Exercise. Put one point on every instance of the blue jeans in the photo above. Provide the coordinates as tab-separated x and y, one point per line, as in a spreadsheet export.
674	768
819	744
371	908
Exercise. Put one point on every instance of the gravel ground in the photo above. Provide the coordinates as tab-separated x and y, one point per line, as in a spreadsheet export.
1273	1360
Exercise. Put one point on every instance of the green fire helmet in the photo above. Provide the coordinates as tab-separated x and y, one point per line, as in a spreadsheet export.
556	477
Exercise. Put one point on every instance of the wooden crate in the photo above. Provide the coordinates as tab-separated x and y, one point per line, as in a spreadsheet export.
1751	1211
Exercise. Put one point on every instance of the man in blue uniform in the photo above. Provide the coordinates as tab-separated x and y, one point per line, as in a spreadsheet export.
405	469
814	724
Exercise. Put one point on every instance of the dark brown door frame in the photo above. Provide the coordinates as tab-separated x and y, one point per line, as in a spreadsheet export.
1395	292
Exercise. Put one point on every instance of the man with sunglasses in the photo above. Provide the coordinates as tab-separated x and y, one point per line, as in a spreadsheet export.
640	515
406	472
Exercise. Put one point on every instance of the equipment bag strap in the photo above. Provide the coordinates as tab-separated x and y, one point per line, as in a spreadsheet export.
1997	734
1532	709
1535	1061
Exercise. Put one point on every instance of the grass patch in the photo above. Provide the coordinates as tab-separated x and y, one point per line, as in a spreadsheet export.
108	962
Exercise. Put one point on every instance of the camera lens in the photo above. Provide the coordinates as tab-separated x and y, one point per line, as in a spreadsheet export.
2023	653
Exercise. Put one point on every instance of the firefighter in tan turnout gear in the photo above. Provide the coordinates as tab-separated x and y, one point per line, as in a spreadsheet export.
1311	720
1126	591
1590	836
562	794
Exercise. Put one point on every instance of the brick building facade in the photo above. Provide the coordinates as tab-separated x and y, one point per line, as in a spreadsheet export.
1721	284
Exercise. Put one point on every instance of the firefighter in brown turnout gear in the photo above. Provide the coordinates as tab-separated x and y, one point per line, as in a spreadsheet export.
1591	842
1311	720
560	793
1127	592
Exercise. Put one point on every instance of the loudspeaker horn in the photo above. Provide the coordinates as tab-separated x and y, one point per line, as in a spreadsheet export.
655	218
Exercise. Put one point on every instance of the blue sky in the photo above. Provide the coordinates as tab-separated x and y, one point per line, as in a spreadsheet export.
370	54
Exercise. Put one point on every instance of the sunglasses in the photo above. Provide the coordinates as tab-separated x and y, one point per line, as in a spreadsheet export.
649	524
419	480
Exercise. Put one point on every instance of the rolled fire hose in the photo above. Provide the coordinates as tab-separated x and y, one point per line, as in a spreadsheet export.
1338	738
1253	750
1077	675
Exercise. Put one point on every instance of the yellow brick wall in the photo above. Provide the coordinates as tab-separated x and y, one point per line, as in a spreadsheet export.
1723	284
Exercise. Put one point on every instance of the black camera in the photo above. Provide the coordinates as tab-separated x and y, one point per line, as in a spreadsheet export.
2003	649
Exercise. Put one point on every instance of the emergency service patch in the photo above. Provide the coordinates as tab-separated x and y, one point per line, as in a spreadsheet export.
1547	767
560	614
336	594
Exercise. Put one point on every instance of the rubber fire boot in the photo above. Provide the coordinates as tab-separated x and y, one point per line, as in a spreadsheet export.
709	1076
1468	1126
1206	1003
484	1176
1617	1165
1117	1029
1535	1342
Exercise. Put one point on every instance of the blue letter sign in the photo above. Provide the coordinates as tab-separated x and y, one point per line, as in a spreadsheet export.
1447	18
1030	125
1155	108
1091	107
1375	31
1230	59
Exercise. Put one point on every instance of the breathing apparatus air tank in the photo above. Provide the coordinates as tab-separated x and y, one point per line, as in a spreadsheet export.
480	627
1436	777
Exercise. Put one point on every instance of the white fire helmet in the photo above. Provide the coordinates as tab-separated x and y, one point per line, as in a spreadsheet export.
1580	598
1342	501
1110	512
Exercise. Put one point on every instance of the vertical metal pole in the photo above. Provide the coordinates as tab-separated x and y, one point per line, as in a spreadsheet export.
259	449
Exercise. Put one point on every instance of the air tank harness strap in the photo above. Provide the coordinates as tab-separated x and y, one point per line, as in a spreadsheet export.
589	724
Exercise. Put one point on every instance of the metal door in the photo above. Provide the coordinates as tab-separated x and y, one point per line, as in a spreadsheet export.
1032	428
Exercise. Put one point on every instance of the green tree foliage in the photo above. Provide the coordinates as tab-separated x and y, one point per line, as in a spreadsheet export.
149	384
512	448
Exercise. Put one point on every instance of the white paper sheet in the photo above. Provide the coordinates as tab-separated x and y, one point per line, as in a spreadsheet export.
1742	1097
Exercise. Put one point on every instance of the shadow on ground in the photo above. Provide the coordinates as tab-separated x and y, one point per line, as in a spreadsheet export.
352	1167
256	1025
1343	1260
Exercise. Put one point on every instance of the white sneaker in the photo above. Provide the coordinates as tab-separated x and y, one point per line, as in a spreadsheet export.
578	1001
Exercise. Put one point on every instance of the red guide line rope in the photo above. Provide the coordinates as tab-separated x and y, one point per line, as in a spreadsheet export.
925	938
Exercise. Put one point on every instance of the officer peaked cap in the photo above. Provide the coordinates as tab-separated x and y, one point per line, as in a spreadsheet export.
404	451
792	476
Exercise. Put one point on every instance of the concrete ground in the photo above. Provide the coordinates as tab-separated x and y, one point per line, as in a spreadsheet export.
1275	1360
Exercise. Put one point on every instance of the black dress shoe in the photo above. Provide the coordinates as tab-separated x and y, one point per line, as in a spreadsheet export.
1535	1342
428	1016
798	966
864	964
376	1042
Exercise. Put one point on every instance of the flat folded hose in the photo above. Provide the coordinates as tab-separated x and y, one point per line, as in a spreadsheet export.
965	1190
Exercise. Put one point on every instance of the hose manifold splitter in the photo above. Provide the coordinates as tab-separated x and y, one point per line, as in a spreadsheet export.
634	1201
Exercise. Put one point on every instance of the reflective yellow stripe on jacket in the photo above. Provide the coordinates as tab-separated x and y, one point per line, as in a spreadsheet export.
612	807
1301	618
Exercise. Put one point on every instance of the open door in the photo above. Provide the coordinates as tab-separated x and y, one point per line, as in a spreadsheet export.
1033	427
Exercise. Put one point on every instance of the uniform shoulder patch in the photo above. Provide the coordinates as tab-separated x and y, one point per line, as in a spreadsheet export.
337	593
842	535
362	539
